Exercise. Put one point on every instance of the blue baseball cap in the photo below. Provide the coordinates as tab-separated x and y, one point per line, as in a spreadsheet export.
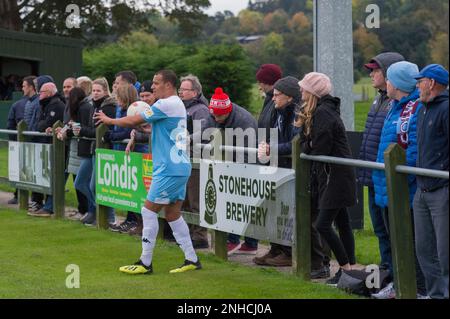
434	71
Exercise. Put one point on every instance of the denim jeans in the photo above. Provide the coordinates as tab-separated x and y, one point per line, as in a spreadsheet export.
235	239
110	210
83	181
379	227
431	230
82	201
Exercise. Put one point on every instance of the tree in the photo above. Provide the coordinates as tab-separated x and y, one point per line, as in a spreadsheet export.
99	20
439	49
367	43
299	22
276	21
273	44
250	22
188	14
9	15
225	66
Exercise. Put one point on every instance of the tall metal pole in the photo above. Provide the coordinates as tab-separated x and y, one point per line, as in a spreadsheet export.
333	51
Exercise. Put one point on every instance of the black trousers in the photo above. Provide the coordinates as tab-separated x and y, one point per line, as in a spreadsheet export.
343	246
320	252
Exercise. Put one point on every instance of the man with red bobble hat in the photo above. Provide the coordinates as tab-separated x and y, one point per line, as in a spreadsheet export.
228	115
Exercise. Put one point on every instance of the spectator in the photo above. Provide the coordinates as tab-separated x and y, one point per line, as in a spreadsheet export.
146	93
71	150
68	85
85	83
196	104
31	116
52	110
124	78
82	110
368	152
323	133
16	114
32	113
228	115
101	101
266	76
32	106
431	198
12	84
400	127
126	95
286	95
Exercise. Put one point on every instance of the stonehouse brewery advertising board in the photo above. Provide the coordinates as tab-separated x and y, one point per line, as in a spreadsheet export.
251	200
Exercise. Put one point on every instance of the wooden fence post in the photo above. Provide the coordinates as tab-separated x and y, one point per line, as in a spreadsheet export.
301	249
219	237
22	194
102	211
400	224
58	182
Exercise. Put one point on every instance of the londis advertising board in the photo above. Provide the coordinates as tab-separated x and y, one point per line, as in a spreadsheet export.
122	181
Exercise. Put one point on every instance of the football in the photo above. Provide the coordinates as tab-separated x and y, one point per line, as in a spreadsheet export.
137	108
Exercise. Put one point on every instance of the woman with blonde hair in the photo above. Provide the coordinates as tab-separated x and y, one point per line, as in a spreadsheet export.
101	101
333	186
85	83
125	95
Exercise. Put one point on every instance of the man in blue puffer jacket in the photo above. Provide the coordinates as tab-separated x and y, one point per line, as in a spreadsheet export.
400	127
369	147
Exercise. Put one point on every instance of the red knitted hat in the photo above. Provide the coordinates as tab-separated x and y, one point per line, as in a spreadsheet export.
220	103
268	74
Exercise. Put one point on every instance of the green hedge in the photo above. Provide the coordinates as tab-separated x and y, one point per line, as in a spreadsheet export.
221	65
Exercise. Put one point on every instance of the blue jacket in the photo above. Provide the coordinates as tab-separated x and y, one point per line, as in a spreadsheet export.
432	141
16	112
122	133
372	134
31	112
284	122
15	115
388	136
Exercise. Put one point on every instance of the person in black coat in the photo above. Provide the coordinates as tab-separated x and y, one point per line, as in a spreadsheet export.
266	76
323	133
286	96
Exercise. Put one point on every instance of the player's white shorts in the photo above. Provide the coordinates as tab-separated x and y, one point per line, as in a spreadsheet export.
167	189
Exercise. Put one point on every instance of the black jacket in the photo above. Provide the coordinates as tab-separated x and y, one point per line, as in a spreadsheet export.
335	185
268	115
88	128
84	117
52	110
432	141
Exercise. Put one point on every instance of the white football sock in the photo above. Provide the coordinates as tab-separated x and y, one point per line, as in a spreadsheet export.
181	233
149	233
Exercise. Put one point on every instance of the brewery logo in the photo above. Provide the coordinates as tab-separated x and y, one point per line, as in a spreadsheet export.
210	198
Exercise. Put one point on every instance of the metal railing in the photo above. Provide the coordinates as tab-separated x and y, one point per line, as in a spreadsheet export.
397	186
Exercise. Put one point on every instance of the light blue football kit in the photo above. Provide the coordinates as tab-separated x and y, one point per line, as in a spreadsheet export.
171	164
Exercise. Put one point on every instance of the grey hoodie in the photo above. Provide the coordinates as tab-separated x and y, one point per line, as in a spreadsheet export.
386	59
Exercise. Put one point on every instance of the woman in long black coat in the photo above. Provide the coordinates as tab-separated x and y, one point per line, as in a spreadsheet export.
334	186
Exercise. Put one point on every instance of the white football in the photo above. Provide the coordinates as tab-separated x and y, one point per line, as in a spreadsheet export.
137	108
